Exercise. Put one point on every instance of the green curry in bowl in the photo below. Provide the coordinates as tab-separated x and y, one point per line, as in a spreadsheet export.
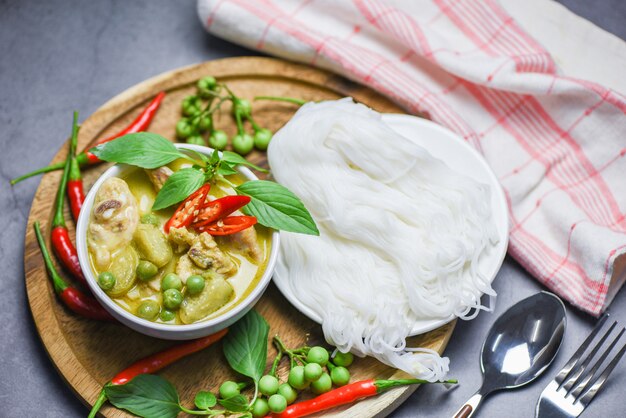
165	272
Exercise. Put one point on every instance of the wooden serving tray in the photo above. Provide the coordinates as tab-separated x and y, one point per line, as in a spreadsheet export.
88	353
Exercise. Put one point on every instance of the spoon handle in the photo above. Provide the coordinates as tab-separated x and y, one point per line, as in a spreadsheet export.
468	409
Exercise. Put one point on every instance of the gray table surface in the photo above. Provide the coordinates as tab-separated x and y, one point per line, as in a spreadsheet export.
58	56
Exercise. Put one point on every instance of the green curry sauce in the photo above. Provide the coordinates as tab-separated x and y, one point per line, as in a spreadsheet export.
249	272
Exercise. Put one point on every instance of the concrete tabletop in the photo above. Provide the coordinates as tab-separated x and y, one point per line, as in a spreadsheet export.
60	55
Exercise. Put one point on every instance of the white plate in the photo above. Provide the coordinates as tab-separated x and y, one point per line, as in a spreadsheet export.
460	156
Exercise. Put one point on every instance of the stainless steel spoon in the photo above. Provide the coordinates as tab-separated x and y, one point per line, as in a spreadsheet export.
520	345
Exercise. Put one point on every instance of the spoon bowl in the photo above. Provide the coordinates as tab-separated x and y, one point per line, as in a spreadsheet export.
520	345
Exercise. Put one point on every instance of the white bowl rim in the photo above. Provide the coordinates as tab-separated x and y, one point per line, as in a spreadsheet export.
110	305
430	324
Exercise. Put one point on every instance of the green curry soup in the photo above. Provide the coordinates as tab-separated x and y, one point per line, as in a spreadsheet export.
126	239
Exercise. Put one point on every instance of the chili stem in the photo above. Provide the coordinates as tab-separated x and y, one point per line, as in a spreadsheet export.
42	170
384	385
102	398
293	100
59	284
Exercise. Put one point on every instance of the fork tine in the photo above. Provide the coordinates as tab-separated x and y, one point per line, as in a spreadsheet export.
581	384
600	380
565	371
579	369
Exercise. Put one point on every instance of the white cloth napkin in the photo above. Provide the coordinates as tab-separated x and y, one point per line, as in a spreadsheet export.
556	142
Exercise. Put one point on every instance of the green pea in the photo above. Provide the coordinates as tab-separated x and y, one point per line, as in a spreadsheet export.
322	385
228	389
172	298
148	309
343	359
218	140
191	106
171	281
184	129
317	355
106	280
146	270
260	408
149	218
268	385
242	107
206	85
195	284
288	392
312	371
340	376
296	378
277	403
195	140
242	143
262	139
167	315
205	123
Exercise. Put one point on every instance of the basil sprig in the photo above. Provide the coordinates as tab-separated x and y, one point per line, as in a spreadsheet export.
245	349
273	205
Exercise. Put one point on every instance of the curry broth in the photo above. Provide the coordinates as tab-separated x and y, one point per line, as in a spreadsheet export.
248	273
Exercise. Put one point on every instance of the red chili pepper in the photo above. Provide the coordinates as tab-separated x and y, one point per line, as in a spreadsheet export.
75	192
61	242
65	250
185	212
344	395
228	225
85	158
218	209
73	298
156	362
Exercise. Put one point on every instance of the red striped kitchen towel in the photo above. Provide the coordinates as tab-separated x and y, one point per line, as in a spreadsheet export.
557	143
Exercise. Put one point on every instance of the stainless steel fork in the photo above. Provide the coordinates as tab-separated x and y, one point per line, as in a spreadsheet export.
576	384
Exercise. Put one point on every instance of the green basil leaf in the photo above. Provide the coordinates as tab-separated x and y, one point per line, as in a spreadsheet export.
245	345
142	149
205	400
233	159
276	207
215	157
237	403
146	395
226	170
178	187
200	156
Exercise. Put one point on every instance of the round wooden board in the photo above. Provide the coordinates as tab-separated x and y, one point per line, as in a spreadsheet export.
88	353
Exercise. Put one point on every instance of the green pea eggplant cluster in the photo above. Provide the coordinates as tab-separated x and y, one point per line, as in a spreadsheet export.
310	368
197	126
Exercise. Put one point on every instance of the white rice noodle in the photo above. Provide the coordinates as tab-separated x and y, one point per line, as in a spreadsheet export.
400	238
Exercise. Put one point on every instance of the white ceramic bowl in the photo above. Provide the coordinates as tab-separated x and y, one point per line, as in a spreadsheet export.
460	156
153	329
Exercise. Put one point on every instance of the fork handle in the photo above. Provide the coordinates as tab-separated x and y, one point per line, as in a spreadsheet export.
468	409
